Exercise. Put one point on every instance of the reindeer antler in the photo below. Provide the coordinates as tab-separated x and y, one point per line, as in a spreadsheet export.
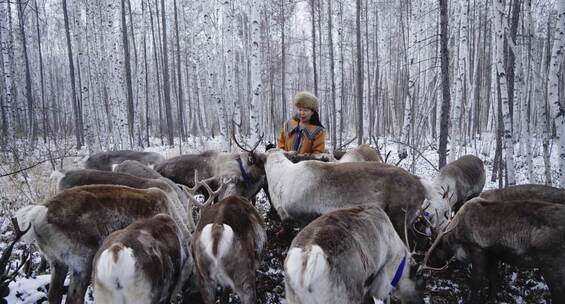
442	232
239	145
212	194
5	276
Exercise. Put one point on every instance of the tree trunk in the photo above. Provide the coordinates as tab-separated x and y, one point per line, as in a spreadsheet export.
127	66
76	112
283	65
445	104
179	78
332	77
314	64
500	31
29	97
359	75
166	83
457	125
145	66
4	85
556	104
255	70
40	55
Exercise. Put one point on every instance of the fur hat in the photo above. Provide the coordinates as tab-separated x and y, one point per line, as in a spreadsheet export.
306	100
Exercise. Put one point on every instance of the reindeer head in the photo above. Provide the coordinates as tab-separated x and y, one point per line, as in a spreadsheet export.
437	209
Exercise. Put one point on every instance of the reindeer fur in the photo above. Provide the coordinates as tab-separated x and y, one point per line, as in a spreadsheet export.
348	256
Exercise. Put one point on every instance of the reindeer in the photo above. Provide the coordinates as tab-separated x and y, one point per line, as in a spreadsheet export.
308	189
245	169
526	192
146	262
135	168
352	256
456	183
362	153
522	233
82	177
105	160
227	248
70	227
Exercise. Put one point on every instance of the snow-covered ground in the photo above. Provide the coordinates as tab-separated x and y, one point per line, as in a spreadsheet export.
20	190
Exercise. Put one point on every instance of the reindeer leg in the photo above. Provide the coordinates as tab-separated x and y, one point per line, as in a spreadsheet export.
493	278
79	284
56	286
207	291
555	279
479	263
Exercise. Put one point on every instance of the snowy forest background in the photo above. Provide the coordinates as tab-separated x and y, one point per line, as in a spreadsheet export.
114	74
426	80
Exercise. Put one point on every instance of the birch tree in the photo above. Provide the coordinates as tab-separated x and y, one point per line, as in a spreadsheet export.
460	96
255	69
557	103
445	104
500	32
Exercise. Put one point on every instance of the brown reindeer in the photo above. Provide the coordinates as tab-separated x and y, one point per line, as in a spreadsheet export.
105	160
526	192
135	168
457	182
227	248
245	169
70	227
146	262
349	256
83	177
522	233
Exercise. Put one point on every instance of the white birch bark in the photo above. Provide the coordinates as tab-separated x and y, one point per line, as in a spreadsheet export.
412	59
501	28
459	98
256	85
529	77
556	103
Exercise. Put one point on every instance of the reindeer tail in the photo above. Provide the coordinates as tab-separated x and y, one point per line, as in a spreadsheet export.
32	215
217	240
115	272
307	273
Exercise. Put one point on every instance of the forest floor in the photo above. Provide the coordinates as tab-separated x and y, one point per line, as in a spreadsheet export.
449	286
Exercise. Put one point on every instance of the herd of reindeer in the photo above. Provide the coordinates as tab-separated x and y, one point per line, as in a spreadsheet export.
135	225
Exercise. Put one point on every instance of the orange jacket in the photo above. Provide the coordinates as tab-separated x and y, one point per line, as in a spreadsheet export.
313	138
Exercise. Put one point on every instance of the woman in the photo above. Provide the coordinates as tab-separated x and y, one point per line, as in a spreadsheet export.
304	133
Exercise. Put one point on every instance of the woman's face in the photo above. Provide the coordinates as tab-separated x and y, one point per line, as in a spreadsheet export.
303	114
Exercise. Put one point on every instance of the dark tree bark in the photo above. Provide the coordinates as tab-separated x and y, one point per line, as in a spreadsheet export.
145	66
76	112
179	78
3	101
312	5
127	66
157	76
41	75
446	98
509	54
332	77
359	76
283	64
29	96
166	83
